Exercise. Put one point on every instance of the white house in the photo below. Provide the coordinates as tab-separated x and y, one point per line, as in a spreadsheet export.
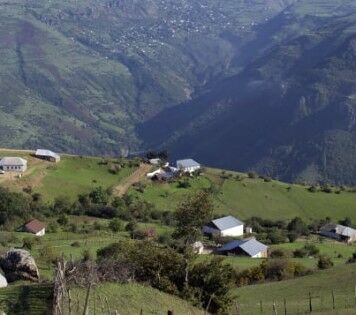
47	155
226	226
188	165
13	164
35	227
250	247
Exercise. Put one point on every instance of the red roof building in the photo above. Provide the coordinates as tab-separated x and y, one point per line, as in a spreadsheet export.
35	227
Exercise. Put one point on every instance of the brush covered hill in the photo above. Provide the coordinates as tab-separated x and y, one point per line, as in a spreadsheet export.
290	113
94	69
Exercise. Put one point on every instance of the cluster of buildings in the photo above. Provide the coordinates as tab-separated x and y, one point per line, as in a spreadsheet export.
229	226
167	172
19	165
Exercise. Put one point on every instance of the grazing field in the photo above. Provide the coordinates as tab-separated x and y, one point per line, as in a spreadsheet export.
245	197
29	299
73	175
130	299
341	280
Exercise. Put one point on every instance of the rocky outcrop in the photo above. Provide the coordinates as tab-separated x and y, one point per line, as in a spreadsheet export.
18	264
3	282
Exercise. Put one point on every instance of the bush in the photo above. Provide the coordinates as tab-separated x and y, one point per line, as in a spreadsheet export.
278	253
75	244
325	262
115	225
252	175
29	242
352	259
300	253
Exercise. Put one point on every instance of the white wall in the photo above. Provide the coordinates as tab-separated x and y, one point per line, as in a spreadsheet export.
41	233
235	231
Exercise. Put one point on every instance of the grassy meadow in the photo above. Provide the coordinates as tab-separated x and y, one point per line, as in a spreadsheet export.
340	279
70	177
130	299
246	197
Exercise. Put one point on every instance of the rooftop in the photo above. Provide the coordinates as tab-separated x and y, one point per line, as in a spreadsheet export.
187	163
251	246
227	222
43	152
34	226
16	161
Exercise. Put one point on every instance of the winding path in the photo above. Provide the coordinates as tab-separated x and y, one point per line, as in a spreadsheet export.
135	177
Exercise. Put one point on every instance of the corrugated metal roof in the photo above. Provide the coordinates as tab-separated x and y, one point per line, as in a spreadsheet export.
339	229
43	152
187	163
251	246
227	222
13	161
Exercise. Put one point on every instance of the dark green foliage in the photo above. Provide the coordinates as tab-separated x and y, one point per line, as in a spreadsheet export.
191	215
325	262
12	206
115	225
215	280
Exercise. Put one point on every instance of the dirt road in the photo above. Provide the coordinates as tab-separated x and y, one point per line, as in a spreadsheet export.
135	177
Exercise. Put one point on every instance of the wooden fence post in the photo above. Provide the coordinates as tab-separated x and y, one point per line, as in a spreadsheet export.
261	307
333	298
285	306
170	312
310	303
274	308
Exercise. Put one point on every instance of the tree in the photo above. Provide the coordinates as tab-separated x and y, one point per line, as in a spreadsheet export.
191	215
99	196
298	226
115	225
346	221
215	280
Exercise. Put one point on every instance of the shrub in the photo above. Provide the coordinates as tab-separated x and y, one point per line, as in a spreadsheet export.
325	262
352	259
29	242
313	189
115	225
278	253
300	253
75	244
252	175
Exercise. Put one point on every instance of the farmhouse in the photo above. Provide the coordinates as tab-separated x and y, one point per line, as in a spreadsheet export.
188	165
163	173
35	227
226	226
47	155
250	247
13	164
338	232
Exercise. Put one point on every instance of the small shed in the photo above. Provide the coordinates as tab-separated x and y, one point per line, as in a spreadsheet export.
35	227
47	155
13	164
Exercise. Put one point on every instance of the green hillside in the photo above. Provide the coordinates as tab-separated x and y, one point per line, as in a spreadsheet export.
245	197
19	299
129	299
341	280
70	177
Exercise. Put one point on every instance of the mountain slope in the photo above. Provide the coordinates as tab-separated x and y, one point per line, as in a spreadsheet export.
78	76
290	113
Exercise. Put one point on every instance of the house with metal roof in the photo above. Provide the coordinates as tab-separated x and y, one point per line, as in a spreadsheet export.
225	226
13	164
249	247
338	232
47	155
188	165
